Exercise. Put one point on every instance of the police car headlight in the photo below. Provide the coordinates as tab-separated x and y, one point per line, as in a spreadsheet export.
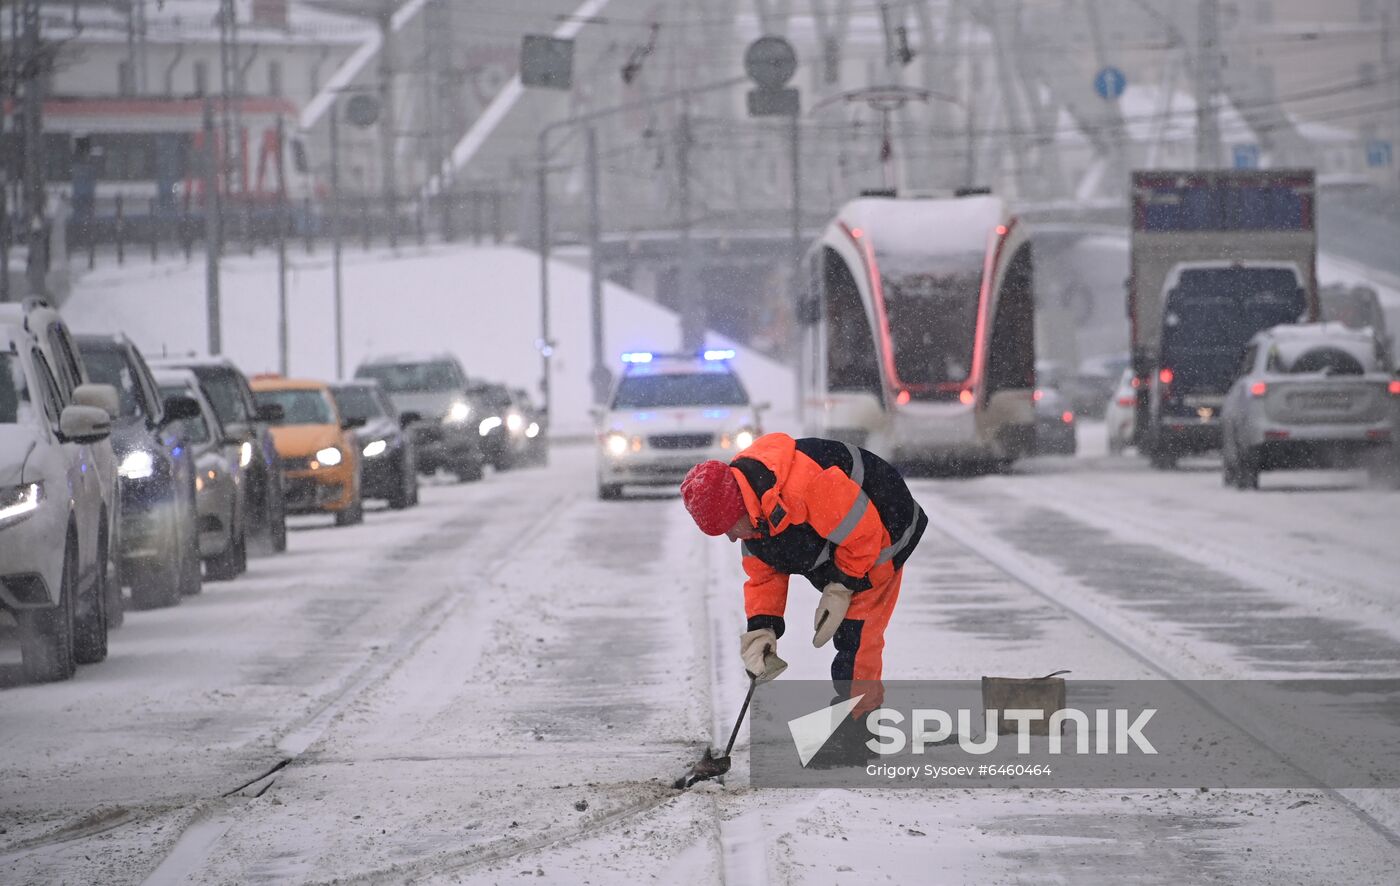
743	439
616	443
457	413
375	447
137	465
329	457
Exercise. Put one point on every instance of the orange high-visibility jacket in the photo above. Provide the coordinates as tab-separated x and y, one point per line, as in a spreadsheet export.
826	510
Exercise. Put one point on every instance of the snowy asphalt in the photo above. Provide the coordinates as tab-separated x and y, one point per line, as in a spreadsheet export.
500	684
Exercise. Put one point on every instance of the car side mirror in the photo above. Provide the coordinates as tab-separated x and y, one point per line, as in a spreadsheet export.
409	418
271	413
348	424
102	397
180	408
84	424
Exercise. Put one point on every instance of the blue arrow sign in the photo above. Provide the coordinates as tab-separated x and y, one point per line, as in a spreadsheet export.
1109	83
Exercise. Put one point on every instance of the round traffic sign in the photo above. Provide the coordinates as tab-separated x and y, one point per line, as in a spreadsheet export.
1110	82
362	110
770	62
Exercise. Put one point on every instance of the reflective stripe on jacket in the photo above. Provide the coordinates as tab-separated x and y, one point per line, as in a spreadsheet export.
826	510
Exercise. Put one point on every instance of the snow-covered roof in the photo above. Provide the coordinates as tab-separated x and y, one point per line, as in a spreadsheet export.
916	225
1311	332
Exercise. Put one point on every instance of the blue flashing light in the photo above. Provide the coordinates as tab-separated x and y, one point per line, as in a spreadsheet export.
637	357
720	354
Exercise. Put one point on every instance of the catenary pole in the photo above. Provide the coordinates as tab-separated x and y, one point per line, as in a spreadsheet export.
212	209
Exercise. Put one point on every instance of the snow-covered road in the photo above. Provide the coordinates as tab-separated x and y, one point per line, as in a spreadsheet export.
502	682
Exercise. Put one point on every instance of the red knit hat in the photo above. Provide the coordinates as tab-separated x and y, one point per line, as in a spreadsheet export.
712	496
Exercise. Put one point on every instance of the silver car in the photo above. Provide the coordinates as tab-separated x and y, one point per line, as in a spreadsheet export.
219	481
1308	396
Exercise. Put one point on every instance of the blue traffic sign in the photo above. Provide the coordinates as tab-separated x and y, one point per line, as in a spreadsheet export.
1378	153
1246	156
1110	82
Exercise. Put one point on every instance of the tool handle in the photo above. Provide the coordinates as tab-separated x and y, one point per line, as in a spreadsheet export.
753	681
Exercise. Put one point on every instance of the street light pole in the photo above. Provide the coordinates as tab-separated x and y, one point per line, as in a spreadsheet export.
599	375
542	172
335	241
282	343
212	245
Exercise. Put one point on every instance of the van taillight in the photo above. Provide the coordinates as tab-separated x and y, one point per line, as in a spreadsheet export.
1395	388
1258	389
1165	375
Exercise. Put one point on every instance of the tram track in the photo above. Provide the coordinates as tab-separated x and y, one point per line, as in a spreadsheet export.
1153	648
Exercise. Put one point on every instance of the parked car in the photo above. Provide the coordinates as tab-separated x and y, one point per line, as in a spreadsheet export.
226	388
1118	417
502	426
388	468
157	554
448	434
536	428
1308	396
218	481
54	516
317	449
668	412
1055	424
53	339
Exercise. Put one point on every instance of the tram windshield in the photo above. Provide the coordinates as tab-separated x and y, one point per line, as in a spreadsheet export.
931	305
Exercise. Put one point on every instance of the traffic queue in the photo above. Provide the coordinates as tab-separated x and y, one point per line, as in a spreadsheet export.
127	483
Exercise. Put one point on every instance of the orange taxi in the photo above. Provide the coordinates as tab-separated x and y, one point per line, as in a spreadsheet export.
315	448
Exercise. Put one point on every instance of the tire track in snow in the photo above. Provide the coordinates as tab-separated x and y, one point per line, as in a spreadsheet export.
199	839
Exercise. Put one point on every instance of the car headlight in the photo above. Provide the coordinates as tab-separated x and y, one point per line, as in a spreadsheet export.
245	454
457	413
375	447
514	422
137	465
616	443
329	457
18	502
489	424
743	439
533	430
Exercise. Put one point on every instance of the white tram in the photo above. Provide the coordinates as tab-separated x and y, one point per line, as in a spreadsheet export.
920	331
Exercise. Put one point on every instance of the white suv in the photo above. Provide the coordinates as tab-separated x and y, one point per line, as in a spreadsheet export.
54	522
669	412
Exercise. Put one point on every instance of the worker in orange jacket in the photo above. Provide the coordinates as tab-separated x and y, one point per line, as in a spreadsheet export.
831	512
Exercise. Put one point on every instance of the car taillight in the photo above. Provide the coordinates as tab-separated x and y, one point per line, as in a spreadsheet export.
1126	401
966	397
1258	389
1038	395
1395	388
1067	417
1165	375
1275	435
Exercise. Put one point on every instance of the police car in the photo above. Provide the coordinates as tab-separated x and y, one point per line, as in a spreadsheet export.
667	413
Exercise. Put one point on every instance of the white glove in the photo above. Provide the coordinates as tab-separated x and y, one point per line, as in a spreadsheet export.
759	650
831	611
